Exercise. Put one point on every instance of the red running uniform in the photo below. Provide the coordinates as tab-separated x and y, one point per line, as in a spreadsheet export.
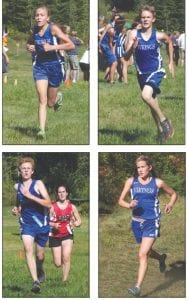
63	217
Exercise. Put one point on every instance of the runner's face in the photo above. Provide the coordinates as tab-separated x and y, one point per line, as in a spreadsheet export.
147	19
41	17
143	169
26	170
62	193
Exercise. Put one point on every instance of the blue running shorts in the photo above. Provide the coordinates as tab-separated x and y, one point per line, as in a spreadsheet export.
40	234
153	79
51	71
147	228
109	55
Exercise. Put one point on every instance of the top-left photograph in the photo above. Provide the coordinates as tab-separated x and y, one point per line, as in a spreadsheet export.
45	66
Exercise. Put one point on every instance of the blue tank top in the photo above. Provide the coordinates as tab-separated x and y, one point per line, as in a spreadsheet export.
32	212
147	54
147	197
47	37
120	45
105	42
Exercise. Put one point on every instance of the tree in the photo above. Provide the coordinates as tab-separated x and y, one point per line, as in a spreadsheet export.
115	168
19	14
53	169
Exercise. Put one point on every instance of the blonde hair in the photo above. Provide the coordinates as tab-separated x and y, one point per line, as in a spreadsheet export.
148	162
148	8
26	160
66	29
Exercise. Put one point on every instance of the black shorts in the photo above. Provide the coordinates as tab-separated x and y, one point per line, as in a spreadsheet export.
56	242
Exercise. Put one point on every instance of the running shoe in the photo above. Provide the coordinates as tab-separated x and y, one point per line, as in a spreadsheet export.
41	134
41	275
168	130
59	102
35	287
162	264
134	291
160	138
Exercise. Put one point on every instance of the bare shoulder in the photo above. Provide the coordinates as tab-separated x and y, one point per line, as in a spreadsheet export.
161	36
16	186
55	29
129	182
39	184
74	207
159	182
133	33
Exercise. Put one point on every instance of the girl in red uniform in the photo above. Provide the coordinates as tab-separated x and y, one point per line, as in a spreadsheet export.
64	216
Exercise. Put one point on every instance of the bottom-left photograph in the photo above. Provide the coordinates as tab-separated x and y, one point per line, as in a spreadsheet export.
45	228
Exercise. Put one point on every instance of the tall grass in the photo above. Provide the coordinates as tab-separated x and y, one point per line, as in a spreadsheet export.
69	126
118	256
125	119
16	278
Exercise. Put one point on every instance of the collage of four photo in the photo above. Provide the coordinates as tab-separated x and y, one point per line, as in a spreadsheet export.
93	149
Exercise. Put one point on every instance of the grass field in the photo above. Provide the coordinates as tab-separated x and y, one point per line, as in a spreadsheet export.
118	252
125	119
69	126
16	279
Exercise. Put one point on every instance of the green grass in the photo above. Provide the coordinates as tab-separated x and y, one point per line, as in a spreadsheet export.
125	119
16	278
118	256
69	126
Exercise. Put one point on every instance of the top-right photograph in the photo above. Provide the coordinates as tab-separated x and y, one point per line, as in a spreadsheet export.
141	72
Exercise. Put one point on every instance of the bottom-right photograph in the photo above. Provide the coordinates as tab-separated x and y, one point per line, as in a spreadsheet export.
142	224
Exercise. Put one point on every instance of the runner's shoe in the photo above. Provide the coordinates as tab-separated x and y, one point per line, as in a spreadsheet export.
41	135
134	291
160	138
35	287
41	276
59	102
168	130
162	264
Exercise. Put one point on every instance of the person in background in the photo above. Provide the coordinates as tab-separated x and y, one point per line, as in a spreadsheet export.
5	63
175	42
181	43
72	56
64	216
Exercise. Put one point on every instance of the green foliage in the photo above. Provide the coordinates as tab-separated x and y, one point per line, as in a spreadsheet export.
115	168
20	14
170	13
53	169
84	208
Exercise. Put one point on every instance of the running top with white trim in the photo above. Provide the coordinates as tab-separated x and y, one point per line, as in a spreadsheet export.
47	37
147	197
32	212
63	217
147	54
120	44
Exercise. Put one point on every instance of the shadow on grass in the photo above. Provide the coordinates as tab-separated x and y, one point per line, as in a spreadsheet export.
174	274
14	288
28	131
125	135
172	98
